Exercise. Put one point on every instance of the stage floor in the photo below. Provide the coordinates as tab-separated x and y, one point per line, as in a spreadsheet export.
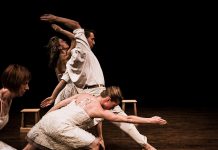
187	129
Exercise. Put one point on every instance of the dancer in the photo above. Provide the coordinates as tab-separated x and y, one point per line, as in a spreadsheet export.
59	50
15	80
63	126
84	70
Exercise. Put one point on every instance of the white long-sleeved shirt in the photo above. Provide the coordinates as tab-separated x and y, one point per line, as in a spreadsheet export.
83	68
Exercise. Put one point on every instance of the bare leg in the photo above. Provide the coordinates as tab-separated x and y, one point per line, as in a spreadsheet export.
29	147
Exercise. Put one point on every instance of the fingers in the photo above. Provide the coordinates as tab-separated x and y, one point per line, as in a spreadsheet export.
159	120
54	26
45	103
46	17
42	105
162	122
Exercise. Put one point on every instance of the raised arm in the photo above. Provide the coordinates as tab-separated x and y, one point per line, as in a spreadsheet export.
69	34
72	24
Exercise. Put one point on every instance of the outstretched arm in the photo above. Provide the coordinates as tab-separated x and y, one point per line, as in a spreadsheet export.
72	24
132	119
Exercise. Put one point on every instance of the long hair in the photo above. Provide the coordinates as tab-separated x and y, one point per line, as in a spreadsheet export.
54	51
14	76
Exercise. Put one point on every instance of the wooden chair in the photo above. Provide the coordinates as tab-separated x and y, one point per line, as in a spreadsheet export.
130	101
24	127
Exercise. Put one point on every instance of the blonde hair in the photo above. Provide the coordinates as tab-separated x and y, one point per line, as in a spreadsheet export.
114	93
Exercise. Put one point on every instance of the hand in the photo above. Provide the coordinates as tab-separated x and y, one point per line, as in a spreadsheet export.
56	27
48	17
102	143
47	102
158	120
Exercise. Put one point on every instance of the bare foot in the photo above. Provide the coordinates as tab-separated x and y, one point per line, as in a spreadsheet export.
148	147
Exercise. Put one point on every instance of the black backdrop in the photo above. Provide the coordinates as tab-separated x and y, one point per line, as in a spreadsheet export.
159	53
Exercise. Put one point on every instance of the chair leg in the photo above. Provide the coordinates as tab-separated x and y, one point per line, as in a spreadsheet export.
135	109
22	119
123	106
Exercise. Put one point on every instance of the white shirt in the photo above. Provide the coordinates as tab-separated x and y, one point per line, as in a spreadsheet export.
83	68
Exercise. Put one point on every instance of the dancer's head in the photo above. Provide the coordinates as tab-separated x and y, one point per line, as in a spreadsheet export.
90	35
16	79
113	96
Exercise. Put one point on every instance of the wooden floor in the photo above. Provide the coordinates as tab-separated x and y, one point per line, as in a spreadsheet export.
187	129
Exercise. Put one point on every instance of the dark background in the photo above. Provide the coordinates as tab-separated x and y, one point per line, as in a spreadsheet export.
161	54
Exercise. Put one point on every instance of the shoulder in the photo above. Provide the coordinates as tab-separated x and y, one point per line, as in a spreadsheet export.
86	94
79	30
5	94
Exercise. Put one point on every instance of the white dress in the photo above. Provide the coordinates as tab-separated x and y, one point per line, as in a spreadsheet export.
62	129
4	117
4	112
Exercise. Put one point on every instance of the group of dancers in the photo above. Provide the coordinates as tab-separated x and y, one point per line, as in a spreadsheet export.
80	100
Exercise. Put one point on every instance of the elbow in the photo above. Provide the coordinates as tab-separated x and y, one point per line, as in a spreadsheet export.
74	25
77	25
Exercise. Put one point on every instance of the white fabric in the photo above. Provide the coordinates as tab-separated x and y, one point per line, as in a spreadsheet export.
69	90
83	68
4	146
4	112
4	118
3	121
129	128
61	129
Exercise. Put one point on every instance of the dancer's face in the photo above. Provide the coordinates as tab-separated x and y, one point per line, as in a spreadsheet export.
23	88
91	40
109	104
63	44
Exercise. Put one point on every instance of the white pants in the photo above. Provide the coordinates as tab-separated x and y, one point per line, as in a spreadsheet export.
69	90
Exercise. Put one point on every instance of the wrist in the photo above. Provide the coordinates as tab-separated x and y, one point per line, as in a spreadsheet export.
56	18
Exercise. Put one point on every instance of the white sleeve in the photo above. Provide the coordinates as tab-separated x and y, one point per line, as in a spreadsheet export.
66	77
75	67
